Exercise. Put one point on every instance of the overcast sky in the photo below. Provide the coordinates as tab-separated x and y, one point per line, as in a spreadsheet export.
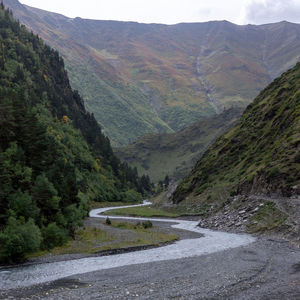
176	11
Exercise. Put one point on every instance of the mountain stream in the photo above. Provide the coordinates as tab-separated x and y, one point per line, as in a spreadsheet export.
212	241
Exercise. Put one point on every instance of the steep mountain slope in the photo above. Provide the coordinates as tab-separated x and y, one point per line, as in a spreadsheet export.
259	157
174	154
146	78
54	158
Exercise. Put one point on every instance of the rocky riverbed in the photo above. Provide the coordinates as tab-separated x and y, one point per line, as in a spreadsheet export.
265	269
268	268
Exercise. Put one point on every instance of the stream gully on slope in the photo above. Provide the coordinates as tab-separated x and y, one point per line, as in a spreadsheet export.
213	241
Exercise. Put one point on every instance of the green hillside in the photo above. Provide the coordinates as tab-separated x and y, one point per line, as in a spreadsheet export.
54	158
153	78
259	156
158	155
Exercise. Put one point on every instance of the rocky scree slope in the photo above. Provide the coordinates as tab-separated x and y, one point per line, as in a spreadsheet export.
253	170
153	78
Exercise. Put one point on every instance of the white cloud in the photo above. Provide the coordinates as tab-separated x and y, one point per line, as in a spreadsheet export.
176	11
270	11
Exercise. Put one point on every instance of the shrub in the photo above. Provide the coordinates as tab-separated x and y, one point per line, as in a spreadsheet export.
108	221
201	189
53	236
233	193
19	238
22	205
147	224
131	196
274	172
73	216
137	225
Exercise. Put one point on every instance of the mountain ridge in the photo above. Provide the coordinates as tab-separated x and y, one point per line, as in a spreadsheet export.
160	78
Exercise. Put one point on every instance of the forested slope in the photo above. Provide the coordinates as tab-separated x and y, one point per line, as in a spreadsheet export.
54	158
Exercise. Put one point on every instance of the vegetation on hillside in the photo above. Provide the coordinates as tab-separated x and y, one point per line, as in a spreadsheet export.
152	78
259	155
54	158
121	121
100	238
144	211
173	155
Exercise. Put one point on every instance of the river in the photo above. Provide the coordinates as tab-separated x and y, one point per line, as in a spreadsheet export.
212	241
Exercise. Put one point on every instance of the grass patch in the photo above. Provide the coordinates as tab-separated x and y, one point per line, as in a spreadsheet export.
92	240
138	227
268	217
95	204
144	211
87	240
144	235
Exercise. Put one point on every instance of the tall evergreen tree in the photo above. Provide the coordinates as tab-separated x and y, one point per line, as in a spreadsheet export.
54	157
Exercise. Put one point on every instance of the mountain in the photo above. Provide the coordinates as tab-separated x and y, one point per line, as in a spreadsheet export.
153	78
174	154
257	160
54	159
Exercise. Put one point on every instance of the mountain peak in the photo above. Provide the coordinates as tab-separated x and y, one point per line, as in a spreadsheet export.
13	4
156	78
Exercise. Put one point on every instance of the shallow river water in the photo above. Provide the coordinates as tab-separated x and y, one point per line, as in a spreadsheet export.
213	241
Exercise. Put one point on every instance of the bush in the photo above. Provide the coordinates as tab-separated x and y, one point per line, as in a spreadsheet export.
108	221
274	172
131	196
19	238
233	193
22	205
73	216
53	236
147	224
201	189
297	158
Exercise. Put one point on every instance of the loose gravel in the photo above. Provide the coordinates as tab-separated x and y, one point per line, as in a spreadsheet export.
268	268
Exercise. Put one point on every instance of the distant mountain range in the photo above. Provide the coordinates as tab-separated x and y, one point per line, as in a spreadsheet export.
150	78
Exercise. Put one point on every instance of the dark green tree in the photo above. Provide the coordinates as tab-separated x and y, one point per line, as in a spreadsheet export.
18	238
54	158
166	181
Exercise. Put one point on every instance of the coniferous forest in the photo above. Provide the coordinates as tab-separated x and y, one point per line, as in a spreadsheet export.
53	157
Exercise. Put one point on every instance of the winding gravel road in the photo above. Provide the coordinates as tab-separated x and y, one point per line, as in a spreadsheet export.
217	266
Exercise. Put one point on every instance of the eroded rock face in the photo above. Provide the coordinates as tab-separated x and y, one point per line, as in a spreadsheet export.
274	187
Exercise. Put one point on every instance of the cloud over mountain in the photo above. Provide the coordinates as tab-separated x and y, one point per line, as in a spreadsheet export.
269	11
